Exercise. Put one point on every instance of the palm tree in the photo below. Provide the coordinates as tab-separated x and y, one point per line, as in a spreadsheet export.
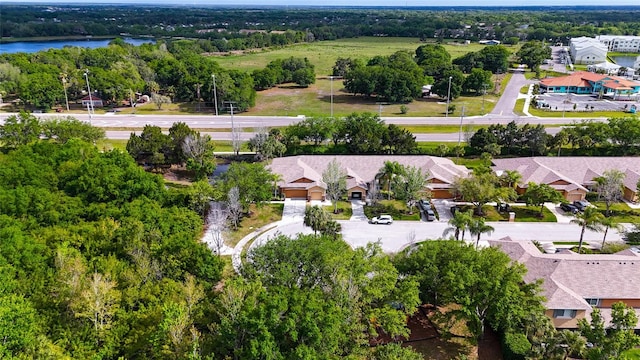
388	171
459	223
510	178
478	227
591	218
571	342
610	223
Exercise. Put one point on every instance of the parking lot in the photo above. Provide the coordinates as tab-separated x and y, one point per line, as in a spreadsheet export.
587	103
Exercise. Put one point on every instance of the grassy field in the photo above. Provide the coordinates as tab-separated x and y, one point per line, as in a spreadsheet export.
323	54
260	216
523	214
633	354
620	212
344	210
396	208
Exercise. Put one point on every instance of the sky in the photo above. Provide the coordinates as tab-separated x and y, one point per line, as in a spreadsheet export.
444	3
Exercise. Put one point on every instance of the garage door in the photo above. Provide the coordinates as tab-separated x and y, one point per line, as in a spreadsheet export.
574	197
290	194
316	195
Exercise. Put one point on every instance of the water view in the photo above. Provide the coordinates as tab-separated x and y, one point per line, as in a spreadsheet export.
35	46
626	61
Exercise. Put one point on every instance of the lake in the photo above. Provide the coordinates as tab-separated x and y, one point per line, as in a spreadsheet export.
626	61
35	46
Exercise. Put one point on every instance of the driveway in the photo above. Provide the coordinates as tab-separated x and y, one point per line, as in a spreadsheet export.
562	216
357	208
443	207
510	93
293	210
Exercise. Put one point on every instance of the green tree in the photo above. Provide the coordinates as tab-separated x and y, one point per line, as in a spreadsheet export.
610	343
538	194
477	227
610	223
335	177
480	189
364	133
459	224
64	129
533	53
610	187
40	89
198	150
411	185
395	352
591	218
398	141
20	129
477	81
388	172
253	181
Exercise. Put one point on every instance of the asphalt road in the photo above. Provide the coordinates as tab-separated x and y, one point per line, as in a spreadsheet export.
224	121
398	235
245	136
507	101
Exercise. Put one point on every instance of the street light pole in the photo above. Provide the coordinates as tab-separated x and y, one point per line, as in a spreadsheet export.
446	114
63	77
215	94
90	104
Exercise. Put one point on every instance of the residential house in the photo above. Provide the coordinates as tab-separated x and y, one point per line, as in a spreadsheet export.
92	100
585	82
573	284
572	176
586	50
301	176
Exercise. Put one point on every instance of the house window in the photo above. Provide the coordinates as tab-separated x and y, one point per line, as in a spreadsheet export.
564	313
593	302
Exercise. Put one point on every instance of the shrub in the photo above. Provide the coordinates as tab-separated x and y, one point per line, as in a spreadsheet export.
404	109
515	346
612	248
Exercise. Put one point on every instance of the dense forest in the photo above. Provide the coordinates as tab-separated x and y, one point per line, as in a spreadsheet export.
227	27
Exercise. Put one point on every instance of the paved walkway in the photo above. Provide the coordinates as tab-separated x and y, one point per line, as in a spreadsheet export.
357	208
293	210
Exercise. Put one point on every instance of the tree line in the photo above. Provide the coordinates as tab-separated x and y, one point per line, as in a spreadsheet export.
509	26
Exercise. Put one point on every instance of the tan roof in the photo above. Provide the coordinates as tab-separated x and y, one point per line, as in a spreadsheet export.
570	278
577	170
362	169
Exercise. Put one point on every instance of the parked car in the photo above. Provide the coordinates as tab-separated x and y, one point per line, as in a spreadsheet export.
566	207
580	205
502	207
454	209
424	204
382	219
429	215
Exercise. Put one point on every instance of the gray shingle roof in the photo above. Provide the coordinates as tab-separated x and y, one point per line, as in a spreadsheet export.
363	168
570	278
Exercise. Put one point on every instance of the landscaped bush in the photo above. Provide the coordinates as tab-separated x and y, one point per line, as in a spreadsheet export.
612	248
515	346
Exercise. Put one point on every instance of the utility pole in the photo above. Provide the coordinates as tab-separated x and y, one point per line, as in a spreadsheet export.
215	94
63	77
484	92
460	132
331	79
90	103
234	136
198	95
446	113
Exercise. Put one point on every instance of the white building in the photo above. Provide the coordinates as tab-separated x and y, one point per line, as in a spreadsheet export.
586	50
620	43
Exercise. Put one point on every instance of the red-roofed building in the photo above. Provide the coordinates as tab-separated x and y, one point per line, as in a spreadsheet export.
584	82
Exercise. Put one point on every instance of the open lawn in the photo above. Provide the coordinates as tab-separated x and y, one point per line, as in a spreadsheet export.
111	144
523	214
344	210
620	212
396	208
259	216
323	54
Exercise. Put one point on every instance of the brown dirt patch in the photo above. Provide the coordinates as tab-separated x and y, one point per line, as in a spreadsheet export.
178	175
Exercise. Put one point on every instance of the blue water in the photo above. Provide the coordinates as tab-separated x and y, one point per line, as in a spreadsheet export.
35	46
626	61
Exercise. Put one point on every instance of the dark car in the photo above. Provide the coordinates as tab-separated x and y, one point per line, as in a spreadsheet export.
502	207
569	208
580	205
429	215
424	204
454	210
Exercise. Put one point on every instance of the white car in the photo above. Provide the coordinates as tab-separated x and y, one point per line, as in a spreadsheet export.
382	219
